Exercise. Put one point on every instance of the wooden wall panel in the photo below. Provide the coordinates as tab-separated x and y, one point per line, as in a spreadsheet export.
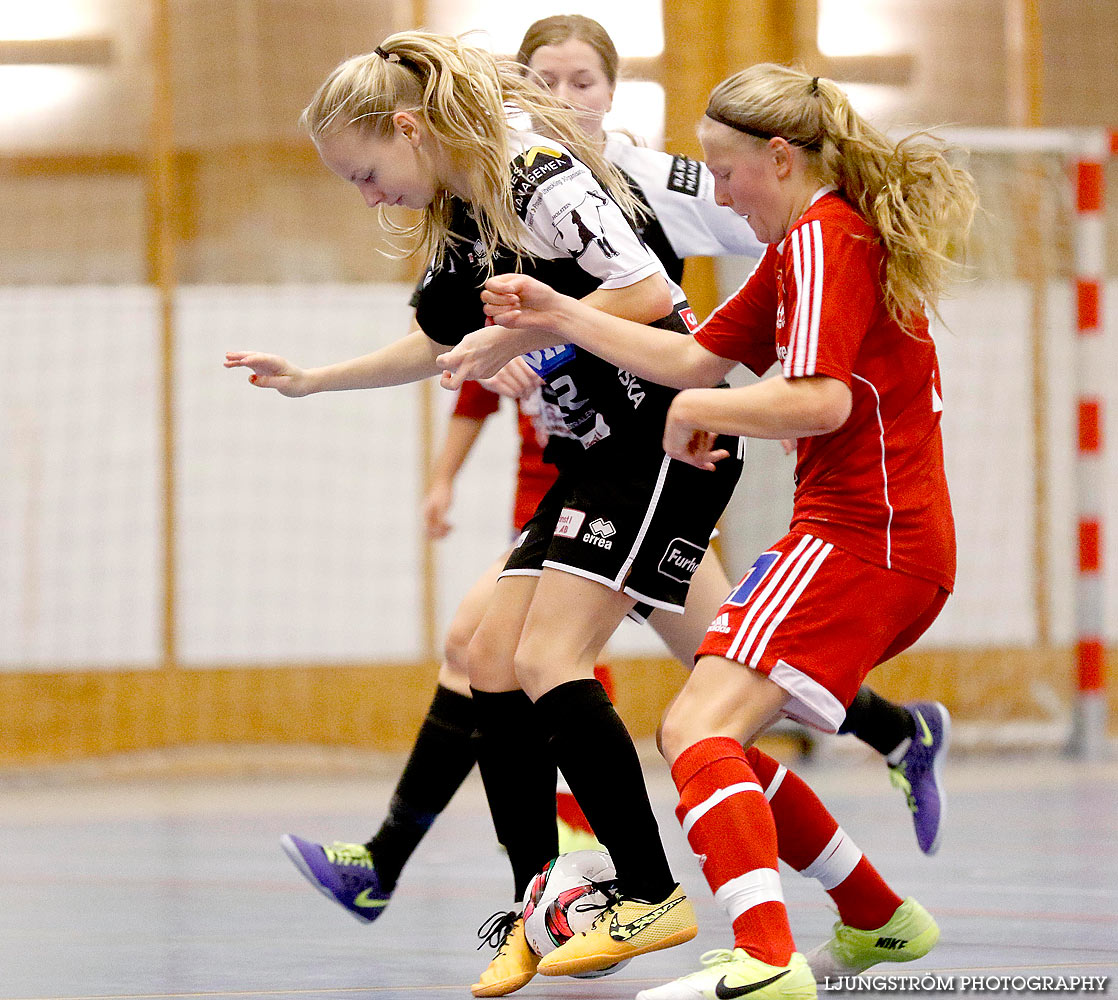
56	717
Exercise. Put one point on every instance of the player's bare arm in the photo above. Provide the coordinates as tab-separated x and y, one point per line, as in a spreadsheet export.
408	359
481	353
663	356
775	408
644	301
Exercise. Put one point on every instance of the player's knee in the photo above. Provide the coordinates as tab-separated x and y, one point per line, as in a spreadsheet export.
676	733
456	647
485	661
531	669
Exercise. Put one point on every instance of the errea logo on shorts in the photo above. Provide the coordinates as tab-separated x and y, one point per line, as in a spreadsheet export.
600	533
569	523
680	560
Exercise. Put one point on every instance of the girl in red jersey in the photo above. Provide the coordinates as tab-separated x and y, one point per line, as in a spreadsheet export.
859	230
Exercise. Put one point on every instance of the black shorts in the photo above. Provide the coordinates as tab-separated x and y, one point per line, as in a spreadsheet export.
641	528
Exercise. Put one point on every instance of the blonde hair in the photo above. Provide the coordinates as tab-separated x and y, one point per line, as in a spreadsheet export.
919	203
463	97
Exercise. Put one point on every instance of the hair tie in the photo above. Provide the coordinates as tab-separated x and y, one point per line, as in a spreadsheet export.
814	85
395	59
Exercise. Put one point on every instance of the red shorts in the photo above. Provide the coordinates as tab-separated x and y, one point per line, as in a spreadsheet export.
816	620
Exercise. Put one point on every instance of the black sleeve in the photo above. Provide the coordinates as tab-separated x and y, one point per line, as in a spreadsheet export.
448	300
448	303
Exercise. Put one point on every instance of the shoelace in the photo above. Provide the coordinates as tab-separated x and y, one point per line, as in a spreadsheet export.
495	930
898	780
609	890
716	956
340	853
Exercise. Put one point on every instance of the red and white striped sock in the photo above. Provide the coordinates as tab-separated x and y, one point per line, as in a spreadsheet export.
811	841
730	828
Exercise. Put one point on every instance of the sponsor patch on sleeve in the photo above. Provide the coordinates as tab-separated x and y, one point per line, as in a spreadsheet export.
546	360
580	227
683	178
531	168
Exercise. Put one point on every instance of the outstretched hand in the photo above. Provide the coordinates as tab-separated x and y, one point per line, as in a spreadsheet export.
479	355
270	371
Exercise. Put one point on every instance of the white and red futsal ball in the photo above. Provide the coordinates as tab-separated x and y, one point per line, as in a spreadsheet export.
562	900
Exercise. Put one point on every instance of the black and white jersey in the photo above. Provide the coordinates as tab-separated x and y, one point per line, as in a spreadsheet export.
686	222
579	240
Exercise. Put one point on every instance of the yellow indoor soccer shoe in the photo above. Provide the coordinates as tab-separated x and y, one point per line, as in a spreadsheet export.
910	934
729	974
514	964
624	929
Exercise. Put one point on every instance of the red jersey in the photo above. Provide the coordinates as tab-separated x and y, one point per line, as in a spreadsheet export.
814	303
534	476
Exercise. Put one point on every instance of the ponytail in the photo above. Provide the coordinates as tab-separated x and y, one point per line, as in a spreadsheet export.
918	202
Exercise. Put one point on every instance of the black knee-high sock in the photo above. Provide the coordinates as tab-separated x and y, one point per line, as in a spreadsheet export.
604	773
443	755
878	722
519	775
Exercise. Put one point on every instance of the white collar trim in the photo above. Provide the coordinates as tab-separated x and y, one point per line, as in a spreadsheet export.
825	189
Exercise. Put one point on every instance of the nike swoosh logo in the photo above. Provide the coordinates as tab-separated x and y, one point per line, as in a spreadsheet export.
724	992
368	901
925	732
623	932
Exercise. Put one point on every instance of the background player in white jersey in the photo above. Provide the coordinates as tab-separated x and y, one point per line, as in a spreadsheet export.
859	230
422	122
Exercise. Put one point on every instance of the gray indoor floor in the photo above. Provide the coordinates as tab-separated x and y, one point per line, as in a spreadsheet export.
115	883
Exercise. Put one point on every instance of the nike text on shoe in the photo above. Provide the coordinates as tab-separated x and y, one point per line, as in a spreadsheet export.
342	872
910	934
729	974
918	773
513	965
624	929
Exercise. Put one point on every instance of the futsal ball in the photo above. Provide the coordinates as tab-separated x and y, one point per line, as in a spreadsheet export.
561	901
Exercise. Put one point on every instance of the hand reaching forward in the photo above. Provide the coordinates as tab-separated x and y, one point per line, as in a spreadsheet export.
480	355
516	380
521	303
271	372
686	442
